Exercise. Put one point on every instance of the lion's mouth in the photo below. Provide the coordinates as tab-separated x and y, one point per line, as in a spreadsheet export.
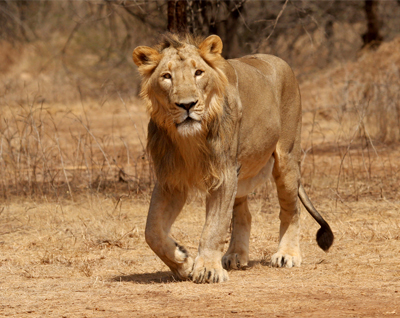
189	127
188	120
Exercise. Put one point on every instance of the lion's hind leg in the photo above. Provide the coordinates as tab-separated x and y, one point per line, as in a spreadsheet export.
237	256
164	209
287	177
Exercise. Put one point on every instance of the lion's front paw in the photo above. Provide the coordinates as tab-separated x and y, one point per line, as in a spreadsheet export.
208	272
234	261
184	269
182	263
285	260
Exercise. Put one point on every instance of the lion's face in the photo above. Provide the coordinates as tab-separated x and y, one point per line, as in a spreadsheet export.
182	85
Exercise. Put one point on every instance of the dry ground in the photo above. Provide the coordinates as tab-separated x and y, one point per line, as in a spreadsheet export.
89	259
85	256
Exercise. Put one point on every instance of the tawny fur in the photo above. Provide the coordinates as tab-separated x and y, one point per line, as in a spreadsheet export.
221	127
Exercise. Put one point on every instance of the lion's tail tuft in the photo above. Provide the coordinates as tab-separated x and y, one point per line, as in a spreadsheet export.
324	235
325	238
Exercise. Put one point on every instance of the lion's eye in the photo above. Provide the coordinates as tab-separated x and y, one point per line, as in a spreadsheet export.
167	76
198	72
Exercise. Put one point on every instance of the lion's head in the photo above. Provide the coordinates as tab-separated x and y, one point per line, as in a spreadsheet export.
183	85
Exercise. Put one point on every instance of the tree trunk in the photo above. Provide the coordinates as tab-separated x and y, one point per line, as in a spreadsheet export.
181	16
372	37
231	24
177	16
171	15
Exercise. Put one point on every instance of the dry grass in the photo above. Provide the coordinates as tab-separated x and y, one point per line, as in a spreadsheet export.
60	150
89	259
362	94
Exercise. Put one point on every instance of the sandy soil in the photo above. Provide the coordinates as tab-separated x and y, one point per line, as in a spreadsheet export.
89	259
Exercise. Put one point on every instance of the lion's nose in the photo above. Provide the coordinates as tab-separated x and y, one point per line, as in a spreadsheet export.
186	106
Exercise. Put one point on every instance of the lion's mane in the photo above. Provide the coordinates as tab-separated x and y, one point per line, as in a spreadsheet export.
194	162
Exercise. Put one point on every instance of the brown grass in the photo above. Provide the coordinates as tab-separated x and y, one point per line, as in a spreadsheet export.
75	191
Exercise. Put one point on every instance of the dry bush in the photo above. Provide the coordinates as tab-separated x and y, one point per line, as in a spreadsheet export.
82	47
351	124
362	94
50	151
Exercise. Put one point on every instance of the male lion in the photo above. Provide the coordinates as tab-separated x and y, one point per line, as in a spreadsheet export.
222	127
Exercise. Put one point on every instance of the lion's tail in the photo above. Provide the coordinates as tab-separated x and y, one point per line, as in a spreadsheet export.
324	235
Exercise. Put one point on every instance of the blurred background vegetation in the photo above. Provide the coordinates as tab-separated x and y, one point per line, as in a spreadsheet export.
88	44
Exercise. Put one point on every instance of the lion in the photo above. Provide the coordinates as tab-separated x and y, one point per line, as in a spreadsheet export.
221	127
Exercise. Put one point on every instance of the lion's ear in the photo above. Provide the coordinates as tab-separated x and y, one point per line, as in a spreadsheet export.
146	59
211	47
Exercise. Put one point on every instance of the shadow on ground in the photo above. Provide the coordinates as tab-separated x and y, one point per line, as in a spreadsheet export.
261	262
167	277
147	278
